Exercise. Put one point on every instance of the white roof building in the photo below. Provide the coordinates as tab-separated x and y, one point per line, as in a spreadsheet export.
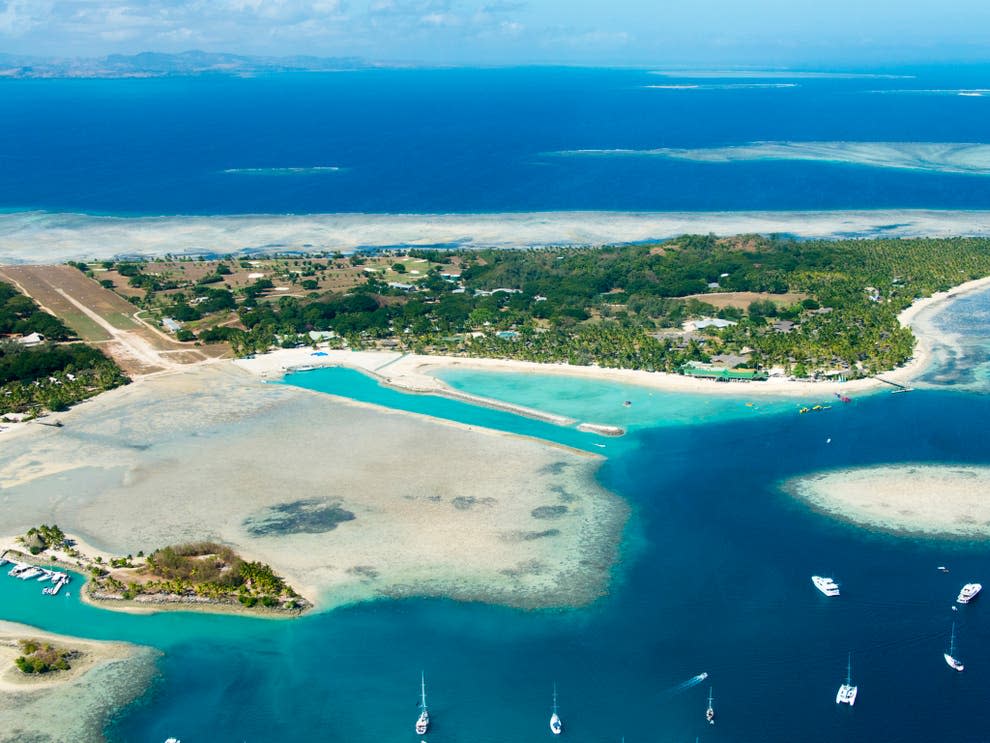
31	340
708	322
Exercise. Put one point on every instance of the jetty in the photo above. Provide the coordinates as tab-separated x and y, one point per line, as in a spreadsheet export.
899	387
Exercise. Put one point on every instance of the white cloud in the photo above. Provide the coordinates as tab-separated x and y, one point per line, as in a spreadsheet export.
18	17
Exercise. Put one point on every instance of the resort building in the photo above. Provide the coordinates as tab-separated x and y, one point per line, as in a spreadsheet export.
34	339
721	374
708	322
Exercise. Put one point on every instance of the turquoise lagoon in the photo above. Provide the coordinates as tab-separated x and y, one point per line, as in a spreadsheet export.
717	581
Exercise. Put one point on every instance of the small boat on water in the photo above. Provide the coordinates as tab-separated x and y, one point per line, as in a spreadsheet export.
950	657
843	398
825	585
847	692
423	721
968	593
30	573
19	567
556	726
710	712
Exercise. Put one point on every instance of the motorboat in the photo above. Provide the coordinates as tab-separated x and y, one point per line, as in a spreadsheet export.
968	593
825	585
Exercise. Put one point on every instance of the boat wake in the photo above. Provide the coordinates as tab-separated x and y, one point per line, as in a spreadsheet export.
693	681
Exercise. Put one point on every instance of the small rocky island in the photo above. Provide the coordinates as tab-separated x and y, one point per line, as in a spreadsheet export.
200	574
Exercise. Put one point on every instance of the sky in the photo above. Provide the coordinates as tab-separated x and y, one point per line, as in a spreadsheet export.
633	32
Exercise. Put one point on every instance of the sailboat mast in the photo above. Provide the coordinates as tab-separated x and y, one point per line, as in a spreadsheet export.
422	688
849	671
555	697
952	640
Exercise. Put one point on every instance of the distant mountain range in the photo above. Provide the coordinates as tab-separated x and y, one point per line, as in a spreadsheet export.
156	64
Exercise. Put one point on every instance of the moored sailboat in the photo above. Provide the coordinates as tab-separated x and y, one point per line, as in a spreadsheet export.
710	712
950	657
423	721
556	726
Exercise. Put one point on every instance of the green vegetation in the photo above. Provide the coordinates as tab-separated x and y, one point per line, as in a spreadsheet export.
40	538
40	657
624	306
201	569
47	376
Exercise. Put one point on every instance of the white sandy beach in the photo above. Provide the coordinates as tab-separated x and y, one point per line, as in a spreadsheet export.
415	373
68	705
946	500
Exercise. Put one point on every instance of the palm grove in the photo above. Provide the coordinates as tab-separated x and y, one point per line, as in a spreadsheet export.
53	374
619	306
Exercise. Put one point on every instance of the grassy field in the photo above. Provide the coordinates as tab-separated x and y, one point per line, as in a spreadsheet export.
101	317
742	300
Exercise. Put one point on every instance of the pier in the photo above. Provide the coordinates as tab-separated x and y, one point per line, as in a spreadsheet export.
899	387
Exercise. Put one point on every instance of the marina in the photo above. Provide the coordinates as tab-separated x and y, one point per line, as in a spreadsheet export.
25	571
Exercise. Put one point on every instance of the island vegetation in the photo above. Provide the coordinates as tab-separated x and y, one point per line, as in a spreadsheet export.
199	573
42	367
802	307
42	657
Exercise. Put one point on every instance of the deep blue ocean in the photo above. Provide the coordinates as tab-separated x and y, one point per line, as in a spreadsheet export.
716	560
476	140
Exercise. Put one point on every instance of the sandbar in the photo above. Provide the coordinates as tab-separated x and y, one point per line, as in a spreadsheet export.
74	704
924	499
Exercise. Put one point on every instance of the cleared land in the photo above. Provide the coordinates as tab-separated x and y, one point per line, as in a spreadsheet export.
742	300
105	319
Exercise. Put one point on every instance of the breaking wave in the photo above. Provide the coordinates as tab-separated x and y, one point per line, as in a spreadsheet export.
778	75
27	237
722	86
313	170
932	157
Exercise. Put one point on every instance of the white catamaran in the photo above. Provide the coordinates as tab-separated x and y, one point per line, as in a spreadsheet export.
710	712
556	726
423	721
950	658
847	692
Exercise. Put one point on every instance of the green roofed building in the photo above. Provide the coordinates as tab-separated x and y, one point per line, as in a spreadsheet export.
721	374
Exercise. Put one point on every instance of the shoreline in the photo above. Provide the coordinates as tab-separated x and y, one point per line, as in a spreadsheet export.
105	676
154	603
416	373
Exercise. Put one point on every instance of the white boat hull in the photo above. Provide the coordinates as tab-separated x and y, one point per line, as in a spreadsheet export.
968	593
826	585
953	663
556	727
847	695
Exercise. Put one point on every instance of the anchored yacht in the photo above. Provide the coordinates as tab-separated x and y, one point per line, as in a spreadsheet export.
825	585
710	712
968	593
847	692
